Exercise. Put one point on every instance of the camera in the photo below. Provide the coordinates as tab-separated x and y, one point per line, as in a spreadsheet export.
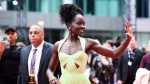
6	39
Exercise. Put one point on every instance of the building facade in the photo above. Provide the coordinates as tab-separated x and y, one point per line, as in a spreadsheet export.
103	18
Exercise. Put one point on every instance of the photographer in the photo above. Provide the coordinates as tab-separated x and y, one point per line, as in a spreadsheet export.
9	57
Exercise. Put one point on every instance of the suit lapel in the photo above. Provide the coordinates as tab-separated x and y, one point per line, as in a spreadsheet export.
126	57
26	55
44	55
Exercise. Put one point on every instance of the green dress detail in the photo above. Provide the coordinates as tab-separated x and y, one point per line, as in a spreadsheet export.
71	74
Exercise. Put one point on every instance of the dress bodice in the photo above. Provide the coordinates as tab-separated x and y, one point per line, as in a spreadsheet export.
75	63
73	66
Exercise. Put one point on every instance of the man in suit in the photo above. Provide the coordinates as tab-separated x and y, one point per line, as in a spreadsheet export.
42	51
128	63
9	57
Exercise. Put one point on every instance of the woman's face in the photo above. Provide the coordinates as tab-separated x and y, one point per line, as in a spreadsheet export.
77	26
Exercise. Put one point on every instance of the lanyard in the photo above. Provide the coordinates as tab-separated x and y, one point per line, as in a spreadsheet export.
131	55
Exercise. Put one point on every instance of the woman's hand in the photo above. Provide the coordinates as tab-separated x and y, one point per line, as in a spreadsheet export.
54	81
128	30
51	77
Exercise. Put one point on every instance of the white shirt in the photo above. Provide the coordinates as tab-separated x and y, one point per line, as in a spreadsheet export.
37	60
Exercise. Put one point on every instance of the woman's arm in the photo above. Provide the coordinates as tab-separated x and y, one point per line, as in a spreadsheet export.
53	63
114	53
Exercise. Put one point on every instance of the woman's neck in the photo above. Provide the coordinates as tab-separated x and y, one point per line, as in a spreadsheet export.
72	38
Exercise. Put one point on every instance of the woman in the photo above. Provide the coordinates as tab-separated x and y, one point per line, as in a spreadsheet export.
145	62
73	51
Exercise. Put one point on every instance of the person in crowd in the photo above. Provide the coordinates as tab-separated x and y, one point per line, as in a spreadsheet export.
21	44
117	43
102	71
35	58
108	65
148	47
142	76
143	73
142	48
95	66
9	57
96	69
145	63
128	63
92	55
73	51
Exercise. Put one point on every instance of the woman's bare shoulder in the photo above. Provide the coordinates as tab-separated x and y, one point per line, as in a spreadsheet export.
56	45
90	43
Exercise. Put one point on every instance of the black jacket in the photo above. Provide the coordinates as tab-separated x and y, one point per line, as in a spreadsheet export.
9	64
123	68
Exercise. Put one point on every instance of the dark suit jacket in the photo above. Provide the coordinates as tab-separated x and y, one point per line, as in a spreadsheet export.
122	70
45	58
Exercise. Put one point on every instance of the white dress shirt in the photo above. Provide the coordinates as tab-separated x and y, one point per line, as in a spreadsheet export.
37	59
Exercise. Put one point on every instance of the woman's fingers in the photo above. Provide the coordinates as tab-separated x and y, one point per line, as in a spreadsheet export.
128	30
54	81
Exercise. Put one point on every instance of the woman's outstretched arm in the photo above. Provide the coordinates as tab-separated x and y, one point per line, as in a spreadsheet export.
114	53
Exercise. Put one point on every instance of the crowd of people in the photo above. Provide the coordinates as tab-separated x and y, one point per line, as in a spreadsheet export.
122	70
65	61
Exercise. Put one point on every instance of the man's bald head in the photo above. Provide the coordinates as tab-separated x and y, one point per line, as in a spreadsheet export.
36	35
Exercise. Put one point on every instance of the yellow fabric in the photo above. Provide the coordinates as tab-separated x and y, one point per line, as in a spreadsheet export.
71	74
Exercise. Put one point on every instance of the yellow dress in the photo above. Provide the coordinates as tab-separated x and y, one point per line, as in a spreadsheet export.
71	74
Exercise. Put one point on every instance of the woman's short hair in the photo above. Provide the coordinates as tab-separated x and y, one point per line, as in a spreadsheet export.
67	12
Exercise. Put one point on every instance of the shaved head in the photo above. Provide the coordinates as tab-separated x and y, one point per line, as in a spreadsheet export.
38	26
36	35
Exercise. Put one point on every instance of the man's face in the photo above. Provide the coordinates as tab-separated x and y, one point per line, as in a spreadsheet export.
36	35
132	44
12	35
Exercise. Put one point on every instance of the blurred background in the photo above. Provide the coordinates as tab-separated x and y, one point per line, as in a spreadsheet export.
105	19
